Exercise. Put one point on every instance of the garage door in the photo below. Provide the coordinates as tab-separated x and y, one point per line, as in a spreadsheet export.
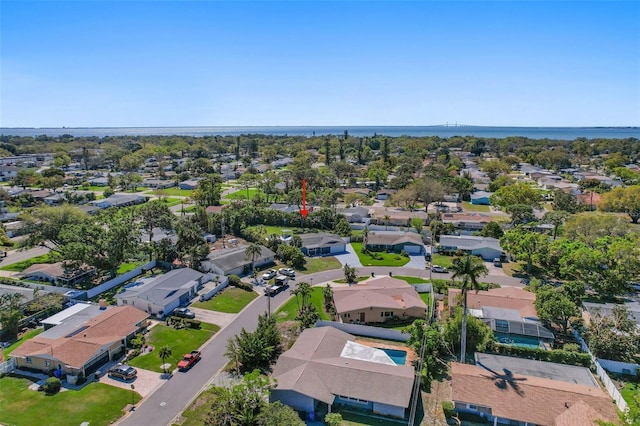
413	249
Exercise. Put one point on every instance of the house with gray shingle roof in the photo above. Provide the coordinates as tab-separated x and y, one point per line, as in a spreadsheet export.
235	261
485	247
327	367
395	241
119	200
160	295
322	244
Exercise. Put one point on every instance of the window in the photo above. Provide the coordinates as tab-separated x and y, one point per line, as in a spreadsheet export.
348	315
386	314
28	359
124	301
46	363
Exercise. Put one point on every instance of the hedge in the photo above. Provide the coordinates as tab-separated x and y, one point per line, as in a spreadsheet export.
558	356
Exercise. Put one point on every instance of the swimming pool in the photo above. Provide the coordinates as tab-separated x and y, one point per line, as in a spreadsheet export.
396	355
515	340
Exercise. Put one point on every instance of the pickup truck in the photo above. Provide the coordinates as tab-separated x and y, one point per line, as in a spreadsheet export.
189	360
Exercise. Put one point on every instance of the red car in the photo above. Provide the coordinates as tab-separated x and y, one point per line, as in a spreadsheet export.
189	360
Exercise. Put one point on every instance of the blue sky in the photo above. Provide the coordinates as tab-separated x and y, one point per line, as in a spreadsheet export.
215	63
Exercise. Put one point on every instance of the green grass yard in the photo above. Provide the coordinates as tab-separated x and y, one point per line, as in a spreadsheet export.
442	260
26	336
319	264
412	280
176	192
230	300
95	404
288	311
181	341
380	259
130	266
21	266
631	395
467	206
242	194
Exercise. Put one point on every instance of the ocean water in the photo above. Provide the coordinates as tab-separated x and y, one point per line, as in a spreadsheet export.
559	133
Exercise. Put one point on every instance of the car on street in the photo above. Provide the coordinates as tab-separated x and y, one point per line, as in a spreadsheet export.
289	272
122	371
189	360
271	273
272	290
438	268
184	313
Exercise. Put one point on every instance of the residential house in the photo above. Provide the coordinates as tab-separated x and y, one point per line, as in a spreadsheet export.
188	184
363	192
385	194
7	172
481	198
98	181
235	261
398	217
58	273
55	199
486	247
119	200
356	214
395	241
158	183
506	397
322	244
326	367
510	312
285	208
160	295
378	300
467	222
79	345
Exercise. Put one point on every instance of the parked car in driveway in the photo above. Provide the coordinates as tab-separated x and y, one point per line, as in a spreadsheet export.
123	371
184	313
438	268
271	273
289	272
497	263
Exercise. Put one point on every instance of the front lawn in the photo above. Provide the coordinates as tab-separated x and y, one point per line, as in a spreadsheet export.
319	264
412	280
630	394
467	206
442	260
26	336
379	258
24	264
94	404
176	192
289	310
230	300
242	194
181	341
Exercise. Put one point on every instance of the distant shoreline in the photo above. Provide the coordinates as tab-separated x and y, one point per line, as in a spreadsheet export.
561	133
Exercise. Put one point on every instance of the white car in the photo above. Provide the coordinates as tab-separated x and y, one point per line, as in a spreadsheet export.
287	271
269	274
438	268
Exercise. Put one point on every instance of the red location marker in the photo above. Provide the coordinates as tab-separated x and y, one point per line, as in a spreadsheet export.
304	210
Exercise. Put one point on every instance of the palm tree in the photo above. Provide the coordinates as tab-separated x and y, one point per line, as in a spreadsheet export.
164	353
365	237
468	268
253	251
387	218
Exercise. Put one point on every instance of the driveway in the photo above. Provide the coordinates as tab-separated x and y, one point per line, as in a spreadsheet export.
145	383
415	262
220	319
350	257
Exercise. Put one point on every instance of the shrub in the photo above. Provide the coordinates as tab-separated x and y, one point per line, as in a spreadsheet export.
333	419
244	286
571	347
234	280
559	356
404	253
447	407
52	386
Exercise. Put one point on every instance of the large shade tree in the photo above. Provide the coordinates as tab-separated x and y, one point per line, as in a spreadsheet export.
467	269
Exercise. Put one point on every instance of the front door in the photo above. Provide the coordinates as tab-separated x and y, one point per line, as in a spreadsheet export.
362	317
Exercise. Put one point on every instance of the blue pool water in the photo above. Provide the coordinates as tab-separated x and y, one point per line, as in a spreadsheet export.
397	356
514	340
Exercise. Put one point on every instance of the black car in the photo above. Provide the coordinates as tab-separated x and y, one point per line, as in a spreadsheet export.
184	313
123	371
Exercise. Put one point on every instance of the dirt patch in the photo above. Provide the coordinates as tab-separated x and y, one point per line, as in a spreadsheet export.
432	402
289	331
